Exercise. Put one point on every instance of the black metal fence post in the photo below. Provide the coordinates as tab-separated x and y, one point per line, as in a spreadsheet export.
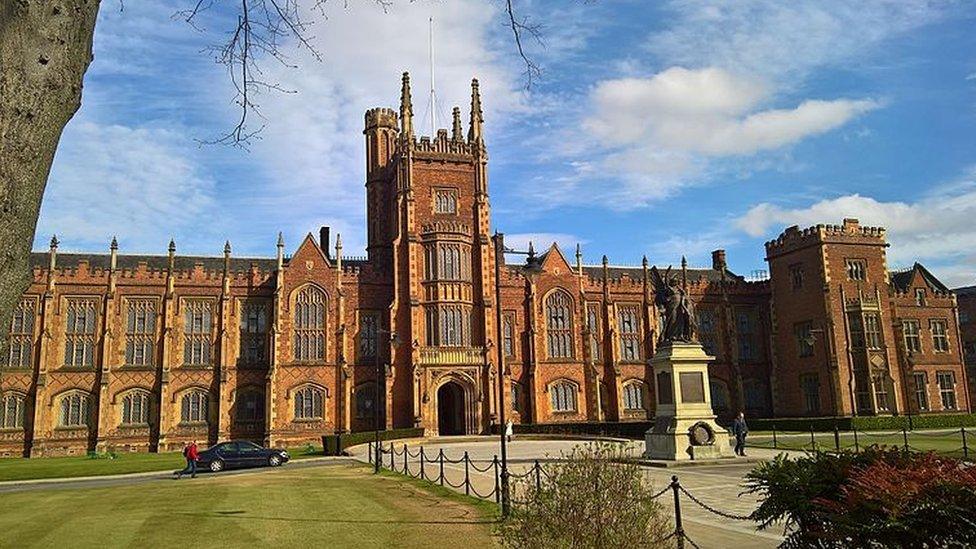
836	438
857	446
467	477
422	474
392	457
370	456
498	488
774	436
904	436
538	477
965	447
406	455
813	441
679	531
440	458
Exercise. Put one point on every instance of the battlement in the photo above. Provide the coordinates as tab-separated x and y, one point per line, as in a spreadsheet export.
850	232
381	117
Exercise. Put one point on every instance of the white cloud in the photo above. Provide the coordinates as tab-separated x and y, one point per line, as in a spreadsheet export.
783	41
937	227
141	184
708	111
648	138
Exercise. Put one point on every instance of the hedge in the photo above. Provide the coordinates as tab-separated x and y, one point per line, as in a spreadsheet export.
335	445
864	423
636	429
617	429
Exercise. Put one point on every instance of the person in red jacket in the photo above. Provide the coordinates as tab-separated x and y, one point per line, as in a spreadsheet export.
192	455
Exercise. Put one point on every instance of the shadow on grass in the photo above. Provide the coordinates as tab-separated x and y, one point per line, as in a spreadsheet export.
244	515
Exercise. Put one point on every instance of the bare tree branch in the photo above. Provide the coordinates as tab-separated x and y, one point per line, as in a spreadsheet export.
262	32
519	27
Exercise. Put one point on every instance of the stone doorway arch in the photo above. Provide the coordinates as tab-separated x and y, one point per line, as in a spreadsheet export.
451	409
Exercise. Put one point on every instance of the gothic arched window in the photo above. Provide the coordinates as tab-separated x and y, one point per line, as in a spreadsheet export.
634	395
562	395
310	324
74	410
135	408
559	324
193	407
309	403
12	411
250	405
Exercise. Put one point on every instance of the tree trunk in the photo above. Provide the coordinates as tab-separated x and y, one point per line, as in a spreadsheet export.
45	49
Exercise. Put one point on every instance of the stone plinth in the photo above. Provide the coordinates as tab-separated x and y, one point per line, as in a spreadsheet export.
684	424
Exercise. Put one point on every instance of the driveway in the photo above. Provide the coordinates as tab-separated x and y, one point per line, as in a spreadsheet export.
717	485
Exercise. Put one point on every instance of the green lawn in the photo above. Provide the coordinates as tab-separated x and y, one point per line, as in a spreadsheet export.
328	506
84	466
948	443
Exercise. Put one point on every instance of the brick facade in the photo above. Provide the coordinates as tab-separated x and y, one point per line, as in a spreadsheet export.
125	352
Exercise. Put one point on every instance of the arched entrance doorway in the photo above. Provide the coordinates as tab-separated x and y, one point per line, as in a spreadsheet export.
450	409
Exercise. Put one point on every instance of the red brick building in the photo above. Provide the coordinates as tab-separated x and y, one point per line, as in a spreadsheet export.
967	332
127	352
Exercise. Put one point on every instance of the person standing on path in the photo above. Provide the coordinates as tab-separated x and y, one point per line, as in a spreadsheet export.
192	455
509	430
740	430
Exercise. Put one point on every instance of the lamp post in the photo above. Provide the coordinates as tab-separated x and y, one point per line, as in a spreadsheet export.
500	251
394	342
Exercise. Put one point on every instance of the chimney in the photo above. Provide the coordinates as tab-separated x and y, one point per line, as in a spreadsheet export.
851	224
718	260
324	241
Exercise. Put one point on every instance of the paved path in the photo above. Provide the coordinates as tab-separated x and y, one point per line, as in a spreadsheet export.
137	478
717	485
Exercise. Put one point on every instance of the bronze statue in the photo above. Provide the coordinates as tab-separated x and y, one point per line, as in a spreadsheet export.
672	299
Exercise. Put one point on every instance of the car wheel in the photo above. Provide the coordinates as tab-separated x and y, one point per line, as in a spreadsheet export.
274	460
216	466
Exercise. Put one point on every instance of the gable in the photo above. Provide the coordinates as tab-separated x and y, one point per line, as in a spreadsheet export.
554	261
309	250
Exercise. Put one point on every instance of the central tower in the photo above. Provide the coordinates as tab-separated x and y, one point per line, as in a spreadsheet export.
429	223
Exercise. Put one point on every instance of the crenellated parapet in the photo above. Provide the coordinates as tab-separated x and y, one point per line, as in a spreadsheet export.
850	232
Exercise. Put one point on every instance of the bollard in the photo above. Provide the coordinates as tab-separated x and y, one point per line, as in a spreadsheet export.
857	447
369	445
423	476
904	436
679	532
406	455
392	458
467	478
836	438
498	488
774	436
813	441
441	459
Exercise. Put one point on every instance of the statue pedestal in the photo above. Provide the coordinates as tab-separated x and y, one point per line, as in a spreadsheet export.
684	424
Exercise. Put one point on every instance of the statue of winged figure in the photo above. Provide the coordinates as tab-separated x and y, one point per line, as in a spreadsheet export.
678	312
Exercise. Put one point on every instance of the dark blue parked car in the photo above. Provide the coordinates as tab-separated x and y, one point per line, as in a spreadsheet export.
240	453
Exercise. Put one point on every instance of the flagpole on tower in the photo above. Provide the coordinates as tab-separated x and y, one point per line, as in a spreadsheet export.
433	97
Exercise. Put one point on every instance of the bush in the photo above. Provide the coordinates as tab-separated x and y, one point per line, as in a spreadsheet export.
878	498
335	445
926	501
589	500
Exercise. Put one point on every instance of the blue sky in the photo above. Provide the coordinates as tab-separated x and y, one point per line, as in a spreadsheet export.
657	128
